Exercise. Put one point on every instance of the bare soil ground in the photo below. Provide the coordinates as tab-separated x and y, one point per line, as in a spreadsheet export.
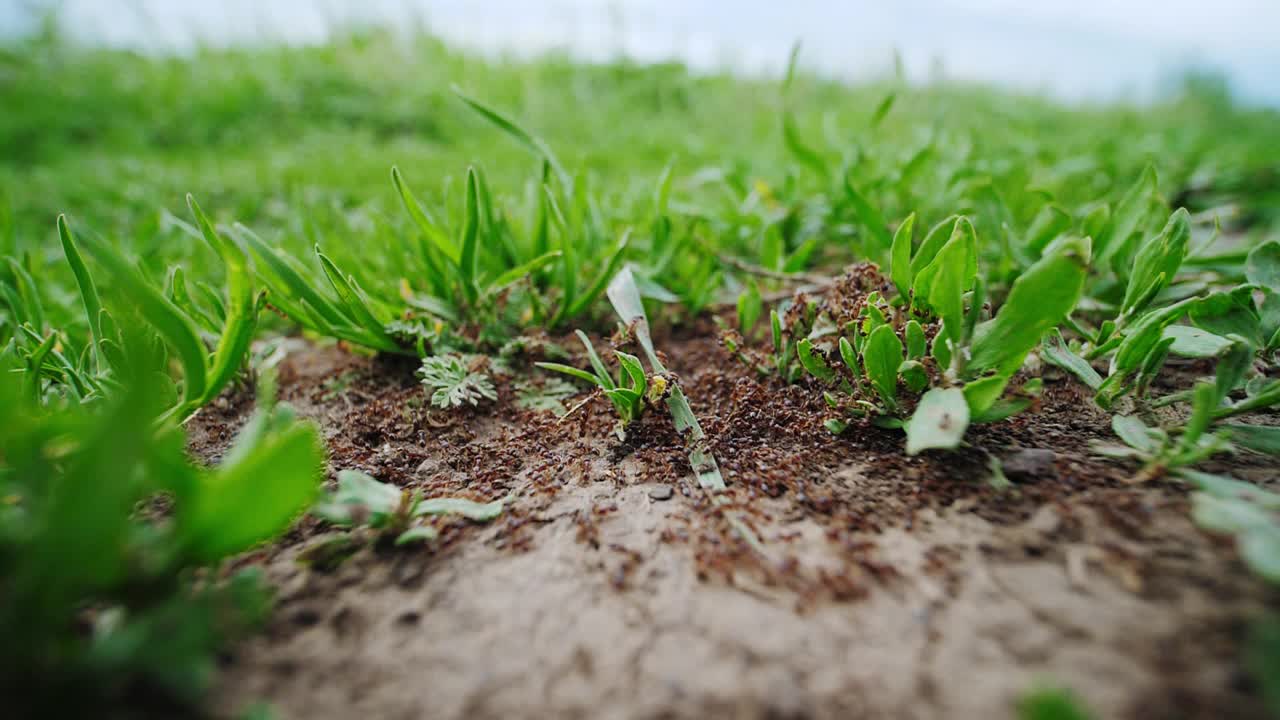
894	587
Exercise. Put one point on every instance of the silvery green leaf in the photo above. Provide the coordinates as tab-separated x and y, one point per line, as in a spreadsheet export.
939	421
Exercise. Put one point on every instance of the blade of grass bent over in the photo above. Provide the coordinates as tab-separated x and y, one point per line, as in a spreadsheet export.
519	134
625	298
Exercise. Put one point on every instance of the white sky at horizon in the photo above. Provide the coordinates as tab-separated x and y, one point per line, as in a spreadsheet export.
1077	50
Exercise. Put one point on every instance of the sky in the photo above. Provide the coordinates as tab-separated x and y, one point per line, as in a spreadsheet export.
1075	50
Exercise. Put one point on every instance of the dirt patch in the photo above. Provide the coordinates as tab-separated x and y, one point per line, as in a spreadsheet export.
892	587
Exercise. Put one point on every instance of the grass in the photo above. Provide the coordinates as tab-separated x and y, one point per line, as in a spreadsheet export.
403	198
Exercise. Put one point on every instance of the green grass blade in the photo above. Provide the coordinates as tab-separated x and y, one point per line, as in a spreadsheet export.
883	109
606	381
241	314
801	151
292	280
900	256
26	287
172	324
597	287
356	308
84	280
572	372
425	222
519	134
470	238
523	270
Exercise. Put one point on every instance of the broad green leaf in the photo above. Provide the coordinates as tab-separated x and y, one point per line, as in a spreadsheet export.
1263	266
1192	342
1259	547
983	393
254	498
900	257
881	357
1228	514
359	499
1230	313
937	236
1264	397
940	350
1230	488
813	363
1145	333
632	369
850	357
917	345
941	285
914	375
416	534
1157	261
939	421
1269	318
1204	400
1236	362
1055	351
1040	299
1259	438
1134	433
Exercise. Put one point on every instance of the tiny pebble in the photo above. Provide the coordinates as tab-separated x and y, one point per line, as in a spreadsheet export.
661	492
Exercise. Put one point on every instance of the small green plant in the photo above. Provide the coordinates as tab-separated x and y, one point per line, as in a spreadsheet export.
175	317
1243	511
883	349
1204	433
453	382
101	598
397	513
1229	326
1050	703
629	393
1159	451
